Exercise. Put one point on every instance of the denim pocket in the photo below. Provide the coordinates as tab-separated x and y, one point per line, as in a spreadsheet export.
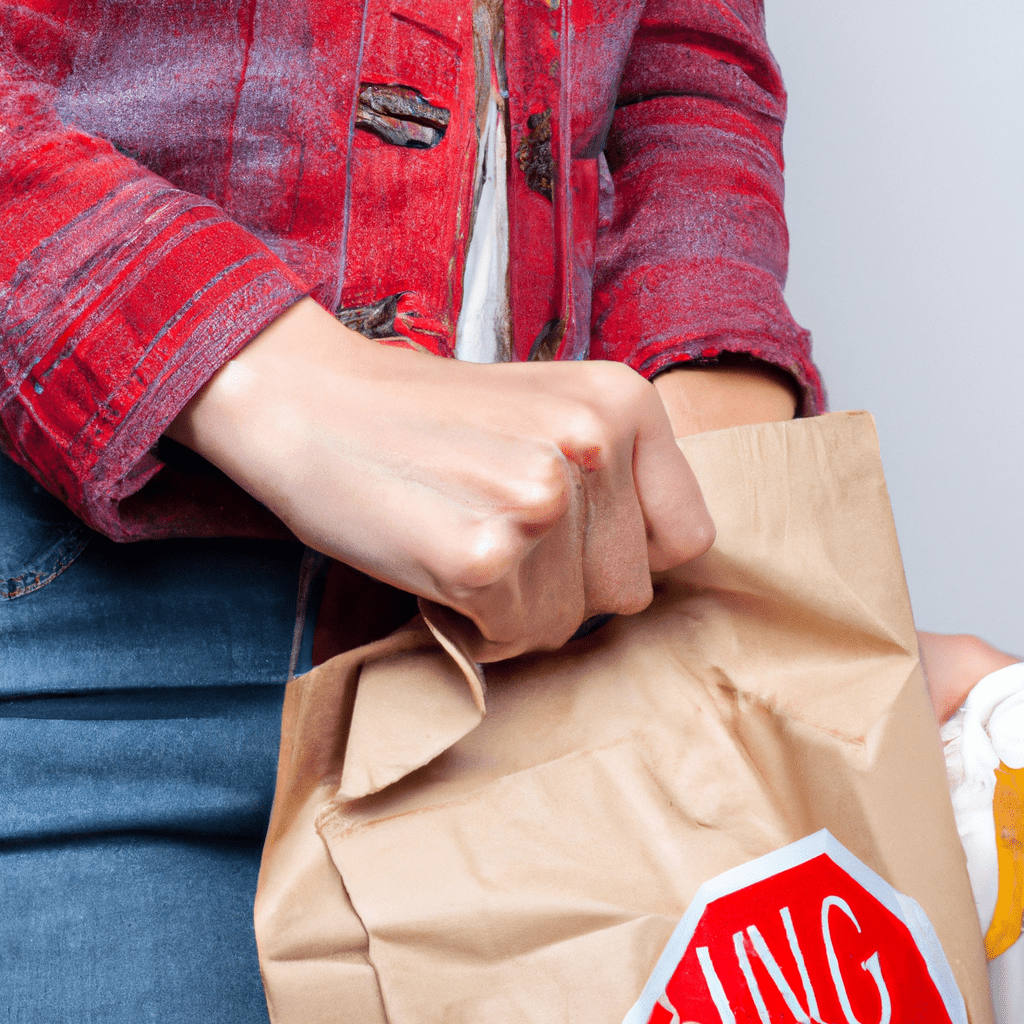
39	537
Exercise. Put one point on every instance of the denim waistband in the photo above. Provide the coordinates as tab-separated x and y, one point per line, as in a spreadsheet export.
84	614
140	684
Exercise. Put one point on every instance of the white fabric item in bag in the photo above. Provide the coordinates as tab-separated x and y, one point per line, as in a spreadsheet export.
987	729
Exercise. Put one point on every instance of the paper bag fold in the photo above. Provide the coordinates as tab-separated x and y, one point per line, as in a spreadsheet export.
410	705
530	865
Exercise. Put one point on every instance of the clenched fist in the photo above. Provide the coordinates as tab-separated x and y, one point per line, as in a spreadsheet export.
523	497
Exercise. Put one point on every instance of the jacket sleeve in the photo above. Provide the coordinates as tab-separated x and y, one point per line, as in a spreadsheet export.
119	297
692	255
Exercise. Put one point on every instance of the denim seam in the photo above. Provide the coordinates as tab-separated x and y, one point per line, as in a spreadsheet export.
48	566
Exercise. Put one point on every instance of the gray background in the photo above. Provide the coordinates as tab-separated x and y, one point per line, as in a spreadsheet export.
905	200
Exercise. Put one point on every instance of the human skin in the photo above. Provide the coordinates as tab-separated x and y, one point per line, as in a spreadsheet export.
954	665
526	497
699	400
713	398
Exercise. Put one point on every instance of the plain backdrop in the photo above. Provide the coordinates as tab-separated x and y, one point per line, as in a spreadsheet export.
905	200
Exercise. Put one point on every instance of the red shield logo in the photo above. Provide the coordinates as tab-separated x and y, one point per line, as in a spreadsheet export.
807	933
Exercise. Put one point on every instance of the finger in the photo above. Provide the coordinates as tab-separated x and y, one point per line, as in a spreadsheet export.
617	576
626	415
678	524
538	605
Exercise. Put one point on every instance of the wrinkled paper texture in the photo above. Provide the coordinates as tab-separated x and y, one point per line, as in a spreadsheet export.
428	862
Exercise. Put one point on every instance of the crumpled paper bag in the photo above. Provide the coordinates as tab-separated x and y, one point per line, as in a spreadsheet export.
519	850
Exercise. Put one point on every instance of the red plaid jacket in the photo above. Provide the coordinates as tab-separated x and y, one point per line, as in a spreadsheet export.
174	176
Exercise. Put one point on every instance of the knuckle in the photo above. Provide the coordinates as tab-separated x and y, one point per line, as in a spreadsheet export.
683	545
604	423
698	537
615	375
974	644
547	480
621	386
589	438
637	598
539	494
486	556
703	534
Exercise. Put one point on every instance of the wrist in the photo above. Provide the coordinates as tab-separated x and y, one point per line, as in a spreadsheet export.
699	399
247	420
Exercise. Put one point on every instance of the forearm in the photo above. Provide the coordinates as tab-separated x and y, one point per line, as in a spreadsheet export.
524	496
711	398
245	419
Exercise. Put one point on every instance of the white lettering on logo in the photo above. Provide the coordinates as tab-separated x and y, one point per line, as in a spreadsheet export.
752	987
871	965
801	966
666	1005
768	959
715	986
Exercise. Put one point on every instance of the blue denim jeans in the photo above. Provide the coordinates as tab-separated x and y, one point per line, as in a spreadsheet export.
140	699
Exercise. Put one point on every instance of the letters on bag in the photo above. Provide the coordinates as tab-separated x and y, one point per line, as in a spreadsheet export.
448	849
806	933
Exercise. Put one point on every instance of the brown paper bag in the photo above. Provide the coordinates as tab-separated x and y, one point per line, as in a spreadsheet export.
430	862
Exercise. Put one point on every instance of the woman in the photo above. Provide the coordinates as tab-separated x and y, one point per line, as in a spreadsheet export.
197	201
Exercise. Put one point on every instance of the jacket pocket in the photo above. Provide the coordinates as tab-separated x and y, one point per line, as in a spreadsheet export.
39	537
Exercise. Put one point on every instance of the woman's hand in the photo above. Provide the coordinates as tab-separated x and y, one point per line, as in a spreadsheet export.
954	665
526	497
